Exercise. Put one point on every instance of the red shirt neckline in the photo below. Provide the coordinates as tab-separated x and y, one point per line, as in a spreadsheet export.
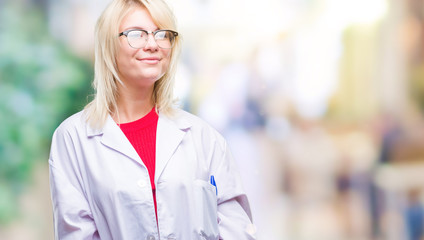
149	119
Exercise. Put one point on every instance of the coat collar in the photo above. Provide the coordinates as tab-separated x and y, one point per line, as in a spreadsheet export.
170	133
113	137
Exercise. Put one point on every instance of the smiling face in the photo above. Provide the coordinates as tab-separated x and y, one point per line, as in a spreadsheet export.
141	68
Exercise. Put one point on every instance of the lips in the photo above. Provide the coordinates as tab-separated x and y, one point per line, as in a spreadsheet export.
149	60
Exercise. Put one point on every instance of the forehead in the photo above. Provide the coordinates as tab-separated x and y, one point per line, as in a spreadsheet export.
138	17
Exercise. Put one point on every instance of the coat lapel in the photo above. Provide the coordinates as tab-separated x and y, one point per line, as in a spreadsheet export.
114	138
169	135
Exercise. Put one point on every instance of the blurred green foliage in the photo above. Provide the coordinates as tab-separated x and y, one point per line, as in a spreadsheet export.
41	83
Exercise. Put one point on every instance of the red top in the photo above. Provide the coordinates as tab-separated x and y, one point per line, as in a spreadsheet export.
142	135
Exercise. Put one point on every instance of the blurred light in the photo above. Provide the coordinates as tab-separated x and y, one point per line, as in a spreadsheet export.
269	62
182	83
357	11
278	128
365	11
318	48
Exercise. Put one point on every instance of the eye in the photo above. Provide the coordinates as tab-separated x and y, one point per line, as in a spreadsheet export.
136	34
162	35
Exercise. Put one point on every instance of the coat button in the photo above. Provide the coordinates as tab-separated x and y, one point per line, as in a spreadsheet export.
141	183
150	237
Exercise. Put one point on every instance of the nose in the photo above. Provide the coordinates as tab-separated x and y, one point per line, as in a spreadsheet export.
151	43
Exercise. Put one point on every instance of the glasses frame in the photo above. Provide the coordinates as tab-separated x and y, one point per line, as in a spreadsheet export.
125	33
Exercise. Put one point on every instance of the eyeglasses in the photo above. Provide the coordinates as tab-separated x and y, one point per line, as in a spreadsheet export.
138	38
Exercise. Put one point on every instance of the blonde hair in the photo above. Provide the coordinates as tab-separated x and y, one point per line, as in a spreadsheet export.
106	75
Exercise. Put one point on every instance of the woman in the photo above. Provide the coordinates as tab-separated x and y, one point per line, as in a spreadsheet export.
130	166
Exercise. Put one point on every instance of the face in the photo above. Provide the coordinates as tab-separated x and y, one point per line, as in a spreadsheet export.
140	68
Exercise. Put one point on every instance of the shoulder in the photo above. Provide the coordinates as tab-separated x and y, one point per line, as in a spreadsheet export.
75	123
65	138
197	126
186	119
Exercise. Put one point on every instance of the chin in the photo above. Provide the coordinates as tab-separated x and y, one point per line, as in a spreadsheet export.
149	79
152	76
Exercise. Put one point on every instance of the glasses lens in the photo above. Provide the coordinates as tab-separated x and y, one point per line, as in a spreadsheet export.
164	38
137	39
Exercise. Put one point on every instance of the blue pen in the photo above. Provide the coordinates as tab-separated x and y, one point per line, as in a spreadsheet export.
214	183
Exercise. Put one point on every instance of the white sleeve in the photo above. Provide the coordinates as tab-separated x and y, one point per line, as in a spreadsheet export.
71	212
234	215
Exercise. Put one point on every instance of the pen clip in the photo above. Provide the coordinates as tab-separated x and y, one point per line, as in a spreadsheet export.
214	184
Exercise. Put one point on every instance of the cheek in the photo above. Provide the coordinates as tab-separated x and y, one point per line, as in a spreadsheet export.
121	64
124	58
167	59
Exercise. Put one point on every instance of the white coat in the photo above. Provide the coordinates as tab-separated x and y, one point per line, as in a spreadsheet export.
100	187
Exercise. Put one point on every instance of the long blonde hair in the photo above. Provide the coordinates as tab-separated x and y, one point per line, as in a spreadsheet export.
106	45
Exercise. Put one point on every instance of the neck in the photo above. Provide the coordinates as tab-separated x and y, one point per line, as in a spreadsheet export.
133	104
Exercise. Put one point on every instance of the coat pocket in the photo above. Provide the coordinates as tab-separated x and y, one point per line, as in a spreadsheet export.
206	217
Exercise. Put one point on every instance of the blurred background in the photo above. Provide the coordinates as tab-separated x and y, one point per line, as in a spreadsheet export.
321	102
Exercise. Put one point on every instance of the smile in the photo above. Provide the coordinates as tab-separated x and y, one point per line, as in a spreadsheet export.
149	60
